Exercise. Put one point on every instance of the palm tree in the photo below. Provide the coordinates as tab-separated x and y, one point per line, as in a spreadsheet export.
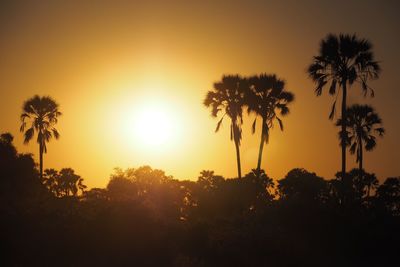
362	123
228	97
41	113
266	98
342	61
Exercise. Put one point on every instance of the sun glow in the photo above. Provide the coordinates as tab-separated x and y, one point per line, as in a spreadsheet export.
152	125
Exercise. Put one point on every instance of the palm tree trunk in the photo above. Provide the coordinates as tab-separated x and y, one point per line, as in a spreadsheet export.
236	140
360	159
343	132
262	141
238	160
343	142
41	160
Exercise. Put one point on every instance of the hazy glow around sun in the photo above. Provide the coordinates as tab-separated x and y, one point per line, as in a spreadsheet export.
152	125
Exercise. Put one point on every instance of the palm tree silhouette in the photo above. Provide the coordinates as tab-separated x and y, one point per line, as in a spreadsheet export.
228	97
265	98
343	60
362	123
42	114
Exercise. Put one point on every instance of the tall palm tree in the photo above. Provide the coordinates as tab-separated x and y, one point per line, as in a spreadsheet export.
342	61
362	123
40	114
228	97
267	96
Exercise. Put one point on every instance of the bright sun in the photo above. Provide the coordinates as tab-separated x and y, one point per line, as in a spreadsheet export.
152	125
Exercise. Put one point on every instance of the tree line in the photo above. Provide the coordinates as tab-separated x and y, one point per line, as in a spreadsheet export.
145	217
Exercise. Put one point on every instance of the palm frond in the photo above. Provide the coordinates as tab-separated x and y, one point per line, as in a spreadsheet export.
332	88
370	143
333	110
381	131
55	133
280	123
219	124
253	126
28	135
321	84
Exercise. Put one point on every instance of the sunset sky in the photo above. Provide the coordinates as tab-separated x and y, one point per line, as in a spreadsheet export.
108	62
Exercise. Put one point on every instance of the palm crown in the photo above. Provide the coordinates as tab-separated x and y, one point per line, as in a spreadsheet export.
362	122
343	60
266	98
228	97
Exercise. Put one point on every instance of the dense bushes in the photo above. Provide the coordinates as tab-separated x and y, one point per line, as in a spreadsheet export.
146	218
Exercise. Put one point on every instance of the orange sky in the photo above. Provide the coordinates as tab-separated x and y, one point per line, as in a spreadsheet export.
101	60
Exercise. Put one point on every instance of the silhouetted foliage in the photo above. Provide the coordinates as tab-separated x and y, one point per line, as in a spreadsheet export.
343	60
358	186
389	195
302	186
160	194
63	183
362	123
18	174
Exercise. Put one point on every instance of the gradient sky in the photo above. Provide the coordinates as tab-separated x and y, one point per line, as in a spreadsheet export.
105	60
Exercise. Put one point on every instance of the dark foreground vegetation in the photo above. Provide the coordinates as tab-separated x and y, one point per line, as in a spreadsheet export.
146	218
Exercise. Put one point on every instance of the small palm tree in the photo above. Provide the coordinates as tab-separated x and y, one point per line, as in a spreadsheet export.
40	114
342	61
362	123
228	97
267	96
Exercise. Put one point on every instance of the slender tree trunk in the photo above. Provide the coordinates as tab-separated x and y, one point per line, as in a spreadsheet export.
41	160
236	140
238	160
360	159
262	141
360	163
343	142
343	132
